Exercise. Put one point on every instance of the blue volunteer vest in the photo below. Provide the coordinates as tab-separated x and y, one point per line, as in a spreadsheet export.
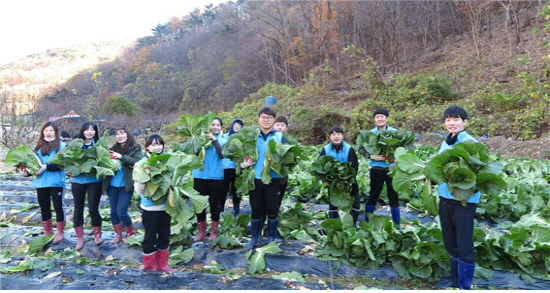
341	156
50	178
213	165
261	146
382	164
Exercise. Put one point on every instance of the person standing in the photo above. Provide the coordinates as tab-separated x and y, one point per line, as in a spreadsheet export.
264	198
343	152
379	172
155	219
209	181
120	188
457	221
89	184
50	180
229	174
281	125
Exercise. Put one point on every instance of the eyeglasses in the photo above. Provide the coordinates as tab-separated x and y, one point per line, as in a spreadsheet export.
266	117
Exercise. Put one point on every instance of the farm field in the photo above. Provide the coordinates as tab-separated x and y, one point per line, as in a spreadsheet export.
511	238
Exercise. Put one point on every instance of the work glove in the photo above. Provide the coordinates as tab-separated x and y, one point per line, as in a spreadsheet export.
247	163
377	158
115	155
139	187
23	171
40	171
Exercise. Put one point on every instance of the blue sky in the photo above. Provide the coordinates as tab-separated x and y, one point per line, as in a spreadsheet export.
33	26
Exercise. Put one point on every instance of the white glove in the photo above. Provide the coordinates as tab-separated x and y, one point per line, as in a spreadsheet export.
23	172
247	163
115	155
139	187
40	171
377	157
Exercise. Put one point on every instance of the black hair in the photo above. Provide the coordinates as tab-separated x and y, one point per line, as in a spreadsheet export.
381	111
44	146
281	119
130	141
455	112
335	129
85	127
151	138
219	119
267	111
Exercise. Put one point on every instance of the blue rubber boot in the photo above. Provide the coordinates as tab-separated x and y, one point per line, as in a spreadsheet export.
396	217
256	228
368	210
453	282
465	274
272	230
236	211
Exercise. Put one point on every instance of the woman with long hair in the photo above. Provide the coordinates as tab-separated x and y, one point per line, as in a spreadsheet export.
155	219
120	187
89	184
50	180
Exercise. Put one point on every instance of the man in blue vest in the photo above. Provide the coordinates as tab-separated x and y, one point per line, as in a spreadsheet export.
343	152
379	172
265	198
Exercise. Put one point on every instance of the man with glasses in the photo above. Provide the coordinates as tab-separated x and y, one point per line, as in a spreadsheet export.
264	199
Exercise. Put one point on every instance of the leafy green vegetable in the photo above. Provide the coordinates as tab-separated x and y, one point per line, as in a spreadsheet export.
281	158
193	132
257	262
23	156
38	243
180	256
238	147
95	160
340	176
385	142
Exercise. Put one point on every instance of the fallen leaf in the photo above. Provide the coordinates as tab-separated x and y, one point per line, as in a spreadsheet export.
52	275
110	257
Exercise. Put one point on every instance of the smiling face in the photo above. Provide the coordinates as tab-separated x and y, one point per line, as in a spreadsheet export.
336	138
455	124
155	147
381	121
266	122
49	133
215	126
89	133
121	137
280	126
236	127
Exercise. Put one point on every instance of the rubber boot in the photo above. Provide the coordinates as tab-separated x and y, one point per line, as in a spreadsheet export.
97	235
162	261
333	214
60	234
118	232
272	230
129	232
354	216
80	236
213	231
236	210
202	231
453	281
396	216
368	210
47	225
150	261
465	274
256	228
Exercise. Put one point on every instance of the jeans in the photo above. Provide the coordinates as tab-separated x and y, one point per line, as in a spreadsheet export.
94	196
120	201
56	195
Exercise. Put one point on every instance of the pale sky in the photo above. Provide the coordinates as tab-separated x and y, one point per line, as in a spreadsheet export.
33	26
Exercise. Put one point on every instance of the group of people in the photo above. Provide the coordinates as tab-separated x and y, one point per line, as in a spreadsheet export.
218	178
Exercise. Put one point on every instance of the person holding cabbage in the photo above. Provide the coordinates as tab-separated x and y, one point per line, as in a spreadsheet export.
155	219
49	180
457	220
229	173
120	188
87	184
209	180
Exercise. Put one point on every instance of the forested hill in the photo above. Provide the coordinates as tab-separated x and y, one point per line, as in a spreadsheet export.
333	62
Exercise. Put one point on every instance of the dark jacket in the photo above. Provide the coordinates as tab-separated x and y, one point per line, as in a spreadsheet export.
128	161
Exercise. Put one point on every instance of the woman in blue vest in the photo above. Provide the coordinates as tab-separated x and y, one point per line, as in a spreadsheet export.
49	180
229	175
343	152
155	219
265	198
457	221
209	181
89	184
120	188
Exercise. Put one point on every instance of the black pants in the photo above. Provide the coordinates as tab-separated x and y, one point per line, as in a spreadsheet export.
356	204
212	189
229	177
377	179
94	196
56	195
265	199
157	230
457	226
282	191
